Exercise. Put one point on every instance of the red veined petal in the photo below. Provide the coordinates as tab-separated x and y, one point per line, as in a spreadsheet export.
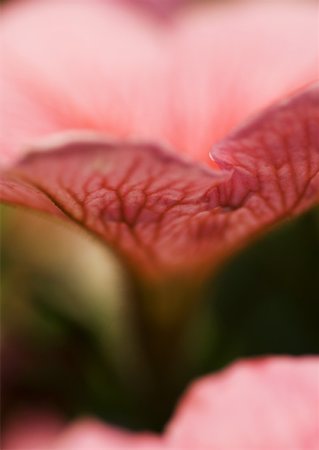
164	214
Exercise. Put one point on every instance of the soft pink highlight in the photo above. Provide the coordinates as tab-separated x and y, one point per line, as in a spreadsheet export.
185	84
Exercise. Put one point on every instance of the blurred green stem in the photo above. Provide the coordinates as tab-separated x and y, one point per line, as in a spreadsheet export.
162	314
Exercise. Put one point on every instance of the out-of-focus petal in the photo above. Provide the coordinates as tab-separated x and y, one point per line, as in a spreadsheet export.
76	65
269	403
31	430
93	435
92	65
233	59
161	8
164	214
35	431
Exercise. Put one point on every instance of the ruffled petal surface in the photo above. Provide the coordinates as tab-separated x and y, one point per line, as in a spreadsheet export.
165	214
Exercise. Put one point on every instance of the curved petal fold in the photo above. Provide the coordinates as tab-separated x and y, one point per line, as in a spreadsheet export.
165	214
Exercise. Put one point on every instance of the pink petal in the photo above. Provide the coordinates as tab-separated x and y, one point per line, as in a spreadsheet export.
259	404
270	403
92	65
31	431
45	432
165	214
161	8
92	435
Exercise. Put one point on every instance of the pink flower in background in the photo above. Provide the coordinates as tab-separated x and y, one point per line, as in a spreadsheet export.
108	119
266	403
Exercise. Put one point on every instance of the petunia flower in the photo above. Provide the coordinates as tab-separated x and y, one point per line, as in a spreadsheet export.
107	120
145	109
